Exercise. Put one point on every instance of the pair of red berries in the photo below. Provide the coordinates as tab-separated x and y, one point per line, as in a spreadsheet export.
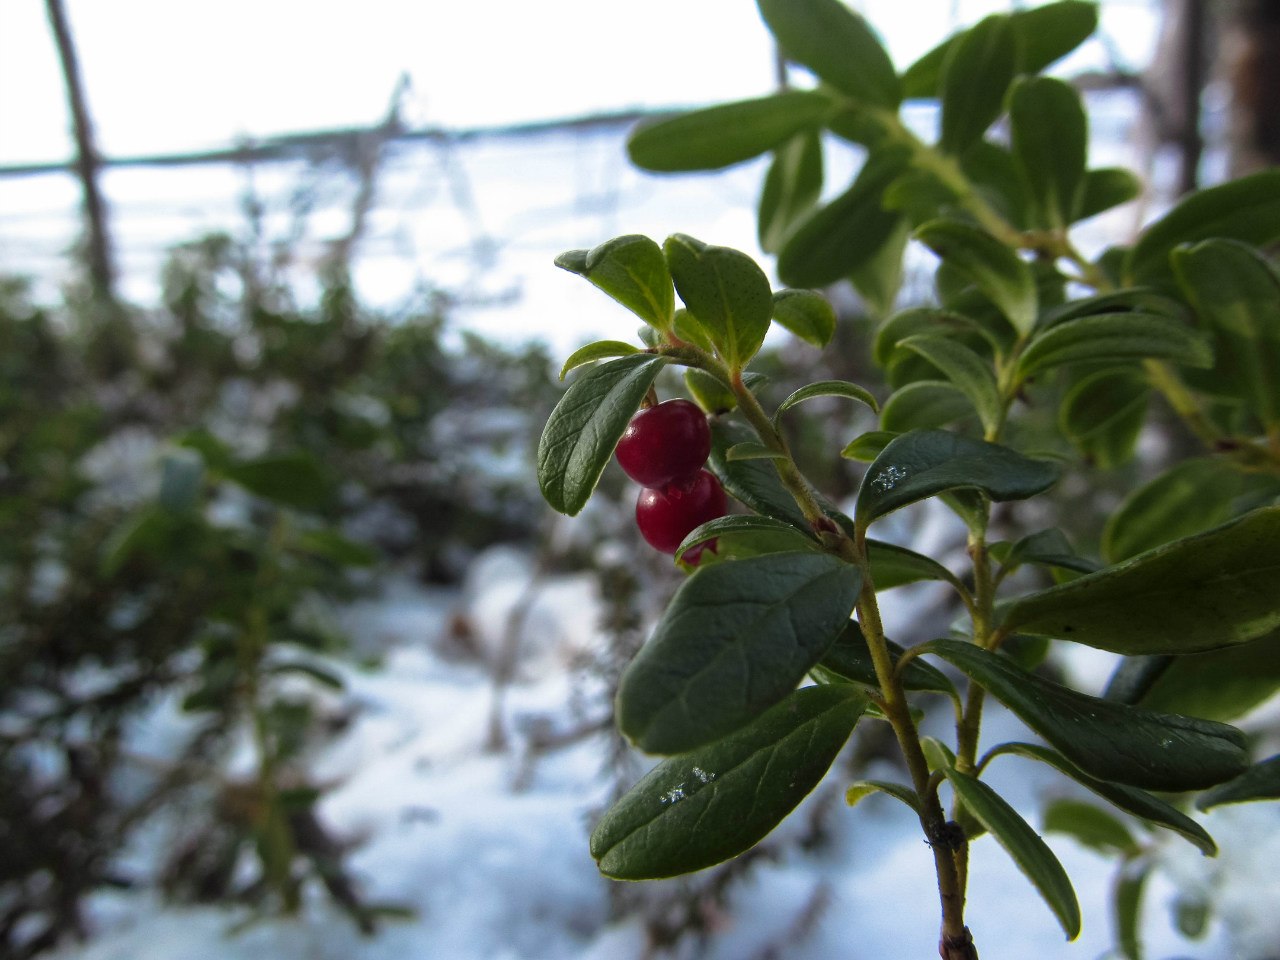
663	449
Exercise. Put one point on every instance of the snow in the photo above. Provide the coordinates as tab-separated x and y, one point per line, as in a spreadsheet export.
488	849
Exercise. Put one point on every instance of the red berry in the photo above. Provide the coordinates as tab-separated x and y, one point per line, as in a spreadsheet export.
665	444
666	516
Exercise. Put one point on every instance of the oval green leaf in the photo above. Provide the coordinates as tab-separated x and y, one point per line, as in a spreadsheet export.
969	372
850	659
1105	188
727	293
807	314
631	269
996	270
924	405
1103	414
1050	141
736	639
1259	782
791	189
976	73
1090	826
781	534
586	425
600	350
1221	684
752	482
1114	338
828	388
288	479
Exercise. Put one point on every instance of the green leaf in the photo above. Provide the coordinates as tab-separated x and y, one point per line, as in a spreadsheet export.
977	70
924	463
630	269
1108	740
600	350
1198	593
1221	684
1044	34
585	426
1131	800
181	481
879	278
971	374
915	321
791	189
334	547
864	788
867	446
850	659
807	314
687	328
1103	414
1236	294
997	271
1050	141
1050	548
322	675
1126	908
1105	188
837	45
147	532
750	450
1112	338
1259	782
991	168
895	566
1189	498
288	479
704	807
751	529
828	388
726	291
736	639
727	133
923	405
752	482
709	393
1246	209
1091	826
837	239
1029	852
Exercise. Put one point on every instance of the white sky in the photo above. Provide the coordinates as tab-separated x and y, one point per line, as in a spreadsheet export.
169	75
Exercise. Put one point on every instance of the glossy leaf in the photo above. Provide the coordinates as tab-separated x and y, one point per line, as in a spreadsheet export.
997	271
915	321
1029	852
924	405
928	462
728	133
585	426
1091	826
1049	548
1221	684
1050	141
807	314
688	329
1236	294
867	446
1131	800
1112	338
726	291
850	659
1105	188
976	73
599	350
791	189
1198	593
828	388
1103	414
1108	740
864	788
750	526
631	269
288	479
846	233
895	566
1259	782
736	639
1247	209
750	450
970	373
752	482
837	45
701	808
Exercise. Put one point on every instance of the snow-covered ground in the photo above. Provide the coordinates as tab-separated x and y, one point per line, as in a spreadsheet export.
489	849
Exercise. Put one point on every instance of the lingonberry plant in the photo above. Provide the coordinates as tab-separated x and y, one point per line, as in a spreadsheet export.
1186	593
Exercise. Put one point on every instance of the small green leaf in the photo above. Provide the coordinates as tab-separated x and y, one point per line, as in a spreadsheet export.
600	350
1112	338
1259	782
752	482
710	394
997	271
977	70
1029	852
753	529
924	463
750	450
726	291
322	675
585	426
807	314
1103	414
1126	908
1091	826
630	269
1049	548
1108	740
288	479
895	566
970	373
704	807
879	277
147	532
913	321
837	45
1050	141
864	788
727	133
736	639
923	405
1198	593
1246	209
1236	294
1221	684
1131	800
835	240
1105	188
850	659
868	446
791	189
332	546
828	388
